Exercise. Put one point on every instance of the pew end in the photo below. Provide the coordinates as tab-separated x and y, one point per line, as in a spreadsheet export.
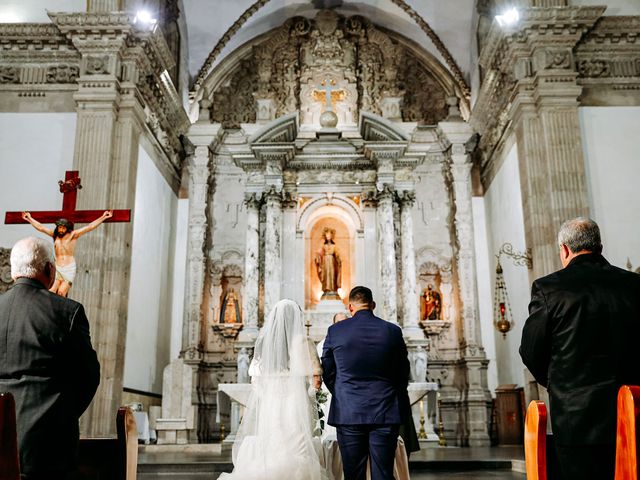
627	433
535	441
9	460
110	458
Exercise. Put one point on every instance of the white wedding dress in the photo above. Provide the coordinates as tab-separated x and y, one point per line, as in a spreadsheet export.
276	440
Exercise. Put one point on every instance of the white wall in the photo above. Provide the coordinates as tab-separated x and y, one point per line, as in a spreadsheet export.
22	11
505	224
614	7
611	140
35	151
149	317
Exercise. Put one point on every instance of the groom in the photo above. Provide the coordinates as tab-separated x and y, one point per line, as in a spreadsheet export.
366	369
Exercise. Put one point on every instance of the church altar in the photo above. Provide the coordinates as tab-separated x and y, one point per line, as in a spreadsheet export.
233	397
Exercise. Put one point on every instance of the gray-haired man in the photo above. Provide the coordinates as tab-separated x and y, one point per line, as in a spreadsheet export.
46	362
580	341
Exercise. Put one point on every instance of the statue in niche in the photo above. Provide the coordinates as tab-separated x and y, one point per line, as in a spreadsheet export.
431	304
243	366
230	312
329	265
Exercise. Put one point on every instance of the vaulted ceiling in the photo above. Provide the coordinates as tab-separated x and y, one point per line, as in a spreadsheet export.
451	20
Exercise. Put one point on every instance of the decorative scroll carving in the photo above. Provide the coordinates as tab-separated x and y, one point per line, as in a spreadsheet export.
9	74
62	74
425	100
234	102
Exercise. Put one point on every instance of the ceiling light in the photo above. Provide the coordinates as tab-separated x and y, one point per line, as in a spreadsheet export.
508	18
144	16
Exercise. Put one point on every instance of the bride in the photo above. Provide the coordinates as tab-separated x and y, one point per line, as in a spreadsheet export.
275	439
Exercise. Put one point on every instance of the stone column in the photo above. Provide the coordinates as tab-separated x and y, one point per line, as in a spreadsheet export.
456	133
109	122
272	246
388	274
199	170
411	316
251	270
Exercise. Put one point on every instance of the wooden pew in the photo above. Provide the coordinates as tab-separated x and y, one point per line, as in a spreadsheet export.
535	441
627	433
9	461
110	458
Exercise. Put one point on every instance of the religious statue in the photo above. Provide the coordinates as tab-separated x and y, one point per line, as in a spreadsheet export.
230	312
243	366
431	304
419	365
329	265
64	245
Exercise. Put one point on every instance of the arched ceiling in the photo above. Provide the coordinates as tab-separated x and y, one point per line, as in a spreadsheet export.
451	20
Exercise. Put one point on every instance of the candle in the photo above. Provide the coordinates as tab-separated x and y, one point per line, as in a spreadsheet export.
421	409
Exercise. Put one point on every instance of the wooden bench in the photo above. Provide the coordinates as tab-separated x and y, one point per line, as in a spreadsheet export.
110	458
9	460
627	433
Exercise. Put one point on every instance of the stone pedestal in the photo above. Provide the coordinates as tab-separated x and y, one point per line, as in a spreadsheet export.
178	414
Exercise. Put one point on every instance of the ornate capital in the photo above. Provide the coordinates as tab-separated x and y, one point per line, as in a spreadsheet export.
406	198
252	200
387	194
289	200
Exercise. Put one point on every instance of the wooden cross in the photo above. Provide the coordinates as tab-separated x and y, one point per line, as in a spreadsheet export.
69	189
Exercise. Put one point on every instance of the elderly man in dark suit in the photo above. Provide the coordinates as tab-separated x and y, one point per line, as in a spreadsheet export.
46	362
366	369
581	342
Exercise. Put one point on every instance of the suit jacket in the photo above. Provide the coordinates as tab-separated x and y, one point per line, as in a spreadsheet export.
366	369
580	341
48	364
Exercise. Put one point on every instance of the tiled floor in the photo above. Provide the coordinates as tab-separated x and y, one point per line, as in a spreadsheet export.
430	464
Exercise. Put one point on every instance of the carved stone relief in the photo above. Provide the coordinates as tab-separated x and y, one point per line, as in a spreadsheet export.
350	60
5	270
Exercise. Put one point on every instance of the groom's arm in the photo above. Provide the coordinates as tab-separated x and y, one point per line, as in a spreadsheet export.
328	363
404	368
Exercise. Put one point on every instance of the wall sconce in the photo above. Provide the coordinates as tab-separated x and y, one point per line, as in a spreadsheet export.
502	318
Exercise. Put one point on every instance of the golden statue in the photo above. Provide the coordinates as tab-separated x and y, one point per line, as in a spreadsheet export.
431	304
329	265
230	308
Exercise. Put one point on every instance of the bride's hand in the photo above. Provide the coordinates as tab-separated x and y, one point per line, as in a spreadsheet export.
317	381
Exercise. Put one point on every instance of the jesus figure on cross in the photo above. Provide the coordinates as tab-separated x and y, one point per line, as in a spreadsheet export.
64	245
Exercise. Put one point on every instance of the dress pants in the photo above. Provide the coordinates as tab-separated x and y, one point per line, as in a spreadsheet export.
587	462
358	443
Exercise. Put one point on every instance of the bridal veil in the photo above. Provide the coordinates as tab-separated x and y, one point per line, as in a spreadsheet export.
275	439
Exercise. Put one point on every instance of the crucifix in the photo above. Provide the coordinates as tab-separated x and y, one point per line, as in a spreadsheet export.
64	236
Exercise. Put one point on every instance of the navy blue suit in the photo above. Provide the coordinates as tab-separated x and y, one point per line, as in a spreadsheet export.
366	369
